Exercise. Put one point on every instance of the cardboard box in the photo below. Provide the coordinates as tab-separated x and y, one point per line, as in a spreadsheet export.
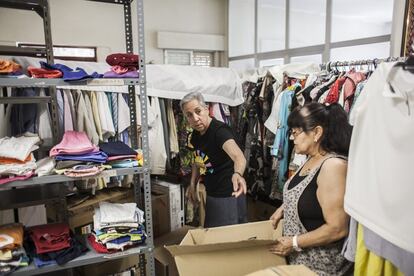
229	250
160	214
80	216
176	202
285	270
164	262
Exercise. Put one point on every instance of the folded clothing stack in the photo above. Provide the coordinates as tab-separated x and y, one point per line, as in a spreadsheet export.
117	227
53	244
82	158
121	155
16	157
12	253
123	65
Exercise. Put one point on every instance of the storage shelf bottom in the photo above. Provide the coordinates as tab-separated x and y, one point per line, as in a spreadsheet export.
91	257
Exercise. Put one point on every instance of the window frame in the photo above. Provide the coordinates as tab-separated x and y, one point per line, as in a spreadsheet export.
192	55
74	58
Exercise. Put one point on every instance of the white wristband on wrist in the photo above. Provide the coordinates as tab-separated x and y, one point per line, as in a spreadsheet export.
295	244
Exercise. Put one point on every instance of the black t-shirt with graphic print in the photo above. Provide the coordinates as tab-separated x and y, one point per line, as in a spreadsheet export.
218	166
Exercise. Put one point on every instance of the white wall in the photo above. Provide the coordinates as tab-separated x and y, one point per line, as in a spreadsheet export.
87	23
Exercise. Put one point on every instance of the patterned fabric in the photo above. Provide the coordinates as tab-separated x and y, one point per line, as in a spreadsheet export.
352	80
333	95
184	136
358	91
114	110
324	260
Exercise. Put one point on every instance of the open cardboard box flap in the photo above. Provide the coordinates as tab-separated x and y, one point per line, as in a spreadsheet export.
229	250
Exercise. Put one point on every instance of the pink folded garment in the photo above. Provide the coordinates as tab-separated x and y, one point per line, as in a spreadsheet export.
122	70
73	143
15	178
118	157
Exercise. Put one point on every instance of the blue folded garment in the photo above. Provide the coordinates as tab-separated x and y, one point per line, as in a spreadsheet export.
97	157
68	73
128	163
39	263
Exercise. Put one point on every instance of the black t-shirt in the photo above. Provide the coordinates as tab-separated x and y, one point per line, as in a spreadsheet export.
218	166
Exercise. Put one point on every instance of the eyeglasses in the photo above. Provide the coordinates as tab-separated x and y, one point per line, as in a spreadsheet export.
294	133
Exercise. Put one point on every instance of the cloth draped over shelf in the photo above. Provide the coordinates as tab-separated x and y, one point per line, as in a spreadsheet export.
221	85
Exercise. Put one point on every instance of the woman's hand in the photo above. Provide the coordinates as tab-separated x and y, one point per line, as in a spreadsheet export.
239	185
277	216
283	246
190	193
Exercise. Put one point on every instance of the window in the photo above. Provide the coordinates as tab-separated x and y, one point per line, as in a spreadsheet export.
271	62
77	53
204	59
358	30
307	23
181	57
370	18
178	57
242	64
311	58
368	51
271	25
241	27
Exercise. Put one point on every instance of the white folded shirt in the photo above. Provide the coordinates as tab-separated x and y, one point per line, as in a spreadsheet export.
18	148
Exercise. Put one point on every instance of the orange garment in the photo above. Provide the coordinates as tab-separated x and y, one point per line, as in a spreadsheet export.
8	66
5	160
14	231
43	73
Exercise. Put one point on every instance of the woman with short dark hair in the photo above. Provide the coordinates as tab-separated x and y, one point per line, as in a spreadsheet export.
221	161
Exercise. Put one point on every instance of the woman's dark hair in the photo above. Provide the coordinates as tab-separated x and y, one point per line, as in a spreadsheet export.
332	118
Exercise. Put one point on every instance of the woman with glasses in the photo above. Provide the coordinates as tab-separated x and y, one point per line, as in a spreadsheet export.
218	157
315	223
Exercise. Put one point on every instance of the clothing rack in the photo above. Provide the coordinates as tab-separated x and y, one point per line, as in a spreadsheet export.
328	66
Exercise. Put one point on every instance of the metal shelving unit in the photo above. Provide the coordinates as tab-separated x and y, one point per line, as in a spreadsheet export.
56	179
43	188
32	82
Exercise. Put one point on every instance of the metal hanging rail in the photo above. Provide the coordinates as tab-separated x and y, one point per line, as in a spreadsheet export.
335	64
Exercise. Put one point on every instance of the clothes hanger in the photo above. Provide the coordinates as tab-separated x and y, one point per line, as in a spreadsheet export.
408	65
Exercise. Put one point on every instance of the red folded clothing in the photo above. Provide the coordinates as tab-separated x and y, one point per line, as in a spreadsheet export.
124	60
44	73
50	237
99	247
